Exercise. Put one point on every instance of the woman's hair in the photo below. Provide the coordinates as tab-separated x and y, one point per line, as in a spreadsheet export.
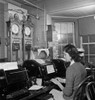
72	51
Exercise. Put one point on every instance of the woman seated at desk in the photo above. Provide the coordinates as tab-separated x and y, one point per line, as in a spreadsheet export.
75	74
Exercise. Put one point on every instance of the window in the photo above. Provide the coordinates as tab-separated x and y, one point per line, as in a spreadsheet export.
88	43
62	35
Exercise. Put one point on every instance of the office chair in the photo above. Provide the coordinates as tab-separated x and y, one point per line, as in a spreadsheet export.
90	90
80	93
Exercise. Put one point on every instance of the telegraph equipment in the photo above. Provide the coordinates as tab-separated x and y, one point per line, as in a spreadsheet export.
13	83
14	35
27	38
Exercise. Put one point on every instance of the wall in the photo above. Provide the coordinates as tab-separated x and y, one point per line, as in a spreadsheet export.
1	30
86	25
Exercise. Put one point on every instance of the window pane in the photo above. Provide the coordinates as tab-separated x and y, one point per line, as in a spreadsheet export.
57	27
85	39
63	39
92	38
86	58
92	48
70	27
85	48
70	38
64	28
59	50
92	59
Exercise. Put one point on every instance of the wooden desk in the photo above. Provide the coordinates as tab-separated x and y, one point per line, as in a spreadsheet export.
36	93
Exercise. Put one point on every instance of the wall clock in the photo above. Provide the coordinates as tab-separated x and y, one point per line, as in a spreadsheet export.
15	28
27	31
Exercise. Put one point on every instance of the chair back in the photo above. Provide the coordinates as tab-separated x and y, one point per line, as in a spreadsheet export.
80	93
90	90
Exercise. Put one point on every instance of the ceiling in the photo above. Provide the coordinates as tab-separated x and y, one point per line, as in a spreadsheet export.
65	8
76	12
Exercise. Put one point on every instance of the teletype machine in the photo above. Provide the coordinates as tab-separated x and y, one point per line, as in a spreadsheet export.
27	42
14	47
15	82
45	70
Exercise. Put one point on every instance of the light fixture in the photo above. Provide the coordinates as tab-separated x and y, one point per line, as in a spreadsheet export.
37	15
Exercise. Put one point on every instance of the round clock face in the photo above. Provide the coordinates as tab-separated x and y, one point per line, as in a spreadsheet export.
27	31
15	28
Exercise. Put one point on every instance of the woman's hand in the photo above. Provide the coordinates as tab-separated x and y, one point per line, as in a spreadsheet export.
55	81
57	95
61	80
